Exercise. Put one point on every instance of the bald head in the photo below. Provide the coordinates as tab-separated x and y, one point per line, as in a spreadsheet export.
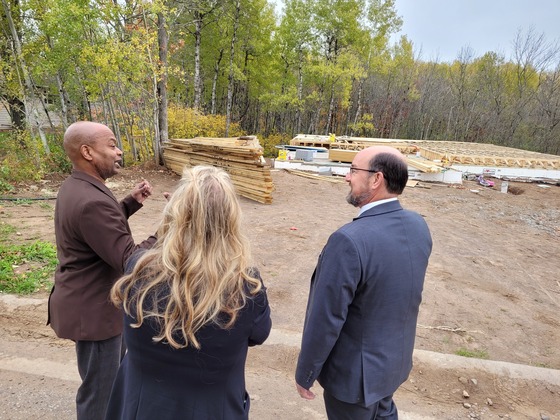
370	152
82	133
92	148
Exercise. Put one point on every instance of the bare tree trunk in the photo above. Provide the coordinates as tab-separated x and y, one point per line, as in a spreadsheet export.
231	59
159	88
29	95
215	82
330	113
359	100
299	94
62	94
113	118
16	109
63	100
162	121
314	123
197	79
84	110
358	105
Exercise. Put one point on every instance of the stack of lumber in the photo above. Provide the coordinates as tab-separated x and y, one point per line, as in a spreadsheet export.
351	143
424	165
240	157
405	148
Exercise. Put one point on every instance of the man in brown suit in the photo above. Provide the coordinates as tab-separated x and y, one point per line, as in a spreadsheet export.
93	241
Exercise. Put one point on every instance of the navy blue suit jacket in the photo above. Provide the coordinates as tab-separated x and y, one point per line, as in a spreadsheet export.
156	381
366	290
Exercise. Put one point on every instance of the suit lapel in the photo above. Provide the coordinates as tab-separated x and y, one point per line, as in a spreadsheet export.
95	182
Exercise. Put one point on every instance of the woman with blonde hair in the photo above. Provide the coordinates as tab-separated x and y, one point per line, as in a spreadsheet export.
193	305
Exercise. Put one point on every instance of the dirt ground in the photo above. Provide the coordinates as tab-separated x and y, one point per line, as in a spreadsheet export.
492	290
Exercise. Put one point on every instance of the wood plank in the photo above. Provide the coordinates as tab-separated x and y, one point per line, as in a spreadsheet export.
424	165
333	179
240	157
338	155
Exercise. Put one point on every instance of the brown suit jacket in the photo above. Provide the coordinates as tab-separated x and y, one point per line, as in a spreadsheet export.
93	242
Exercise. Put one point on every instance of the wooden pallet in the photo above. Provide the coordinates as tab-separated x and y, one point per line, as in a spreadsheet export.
240	157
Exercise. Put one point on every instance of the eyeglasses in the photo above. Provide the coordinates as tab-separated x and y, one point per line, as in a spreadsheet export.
353	170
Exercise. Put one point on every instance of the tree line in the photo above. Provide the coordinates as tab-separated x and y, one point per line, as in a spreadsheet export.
317	67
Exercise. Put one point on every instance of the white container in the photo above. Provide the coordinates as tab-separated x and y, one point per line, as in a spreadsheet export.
504	187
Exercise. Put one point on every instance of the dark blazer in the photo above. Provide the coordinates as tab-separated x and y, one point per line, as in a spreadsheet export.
363	305
156	381
93	241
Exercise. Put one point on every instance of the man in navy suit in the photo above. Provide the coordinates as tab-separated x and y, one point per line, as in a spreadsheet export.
366	290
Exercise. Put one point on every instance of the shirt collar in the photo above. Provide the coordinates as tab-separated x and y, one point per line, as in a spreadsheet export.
371	205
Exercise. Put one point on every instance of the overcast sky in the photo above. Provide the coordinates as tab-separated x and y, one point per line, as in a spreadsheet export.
442	27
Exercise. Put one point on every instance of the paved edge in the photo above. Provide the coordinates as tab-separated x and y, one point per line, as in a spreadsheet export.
292	339
449	361
511	370
441	360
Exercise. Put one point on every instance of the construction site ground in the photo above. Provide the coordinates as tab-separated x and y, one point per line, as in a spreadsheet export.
492	292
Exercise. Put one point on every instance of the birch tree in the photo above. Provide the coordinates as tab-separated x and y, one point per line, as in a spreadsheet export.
30	99
231	72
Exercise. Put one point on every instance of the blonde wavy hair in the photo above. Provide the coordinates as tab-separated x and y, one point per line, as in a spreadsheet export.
198	271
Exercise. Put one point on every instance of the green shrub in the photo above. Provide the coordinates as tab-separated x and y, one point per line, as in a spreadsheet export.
5	186
269	144
364	127
19	157
187	123
22	157
57	161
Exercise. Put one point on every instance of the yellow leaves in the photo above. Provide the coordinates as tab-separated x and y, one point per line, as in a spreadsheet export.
188	123
364	126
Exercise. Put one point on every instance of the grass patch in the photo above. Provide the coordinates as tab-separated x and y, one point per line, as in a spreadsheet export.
45	206
542	365
26	268
476	354
5	231
5	187
23	202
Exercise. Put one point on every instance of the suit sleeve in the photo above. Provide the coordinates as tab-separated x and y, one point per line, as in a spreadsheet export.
129	206
333	287
105	230
262	322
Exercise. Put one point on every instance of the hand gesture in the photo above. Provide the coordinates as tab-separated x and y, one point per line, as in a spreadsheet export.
142	191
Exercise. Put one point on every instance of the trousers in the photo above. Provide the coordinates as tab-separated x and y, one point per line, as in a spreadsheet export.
384	409
98	363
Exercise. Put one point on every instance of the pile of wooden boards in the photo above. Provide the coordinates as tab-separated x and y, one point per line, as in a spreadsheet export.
240	157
